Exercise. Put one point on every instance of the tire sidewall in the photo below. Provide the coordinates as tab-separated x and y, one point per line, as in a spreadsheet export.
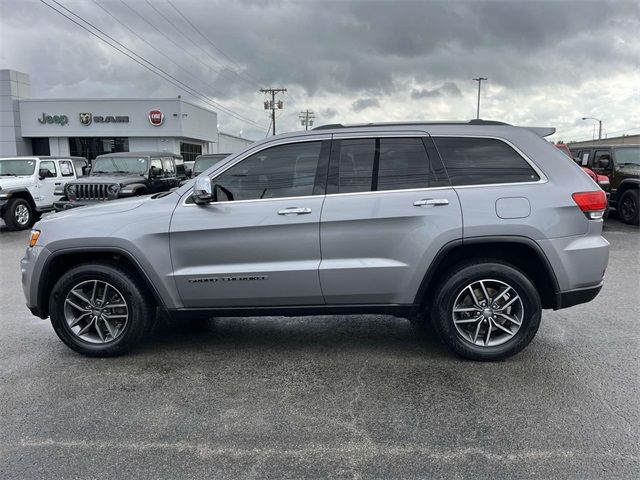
136	304
444	302
10	215
634	198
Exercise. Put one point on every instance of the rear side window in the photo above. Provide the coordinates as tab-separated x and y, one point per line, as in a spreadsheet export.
65	168
393	163
168	166
480	161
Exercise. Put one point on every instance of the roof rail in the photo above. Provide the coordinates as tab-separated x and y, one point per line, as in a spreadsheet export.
332	126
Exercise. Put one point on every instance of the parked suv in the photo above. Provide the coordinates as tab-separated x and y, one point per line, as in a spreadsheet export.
621	163
125	174
28	186
474	227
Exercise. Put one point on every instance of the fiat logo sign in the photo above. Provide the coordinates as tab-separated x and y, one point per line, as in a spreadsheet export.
156	118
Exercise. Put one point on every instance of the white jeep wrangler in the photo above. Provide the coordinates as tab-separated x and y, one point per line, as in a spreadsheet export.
30	185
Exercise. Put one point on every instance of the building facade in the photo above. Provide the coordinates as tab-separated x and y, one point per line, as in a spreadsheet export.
622	140
93	126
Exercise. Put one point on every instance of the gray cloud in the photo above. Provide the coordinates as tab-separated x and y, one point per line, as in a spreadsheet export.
447	89
543	59
363	103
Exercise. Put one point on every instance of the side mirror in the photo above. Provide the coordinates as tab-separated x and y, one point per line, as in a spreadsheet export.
203	190
155	172
44	173
604	162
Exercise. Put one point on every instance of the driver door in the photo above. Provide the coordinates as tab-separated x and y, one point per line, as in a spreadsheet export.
48	184
259	243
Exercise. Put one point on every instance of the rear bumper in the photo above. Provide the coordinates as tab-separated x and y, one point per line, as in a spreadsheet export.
570	298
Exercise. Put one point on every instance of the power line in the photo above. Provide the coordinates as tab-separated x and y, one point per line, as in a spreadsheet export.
180	66
272	104
149	65
196	44
212	44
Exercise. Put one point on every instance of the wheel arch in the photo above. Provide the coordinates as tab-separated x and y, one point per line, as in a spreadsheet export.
627	184
522	252
62	261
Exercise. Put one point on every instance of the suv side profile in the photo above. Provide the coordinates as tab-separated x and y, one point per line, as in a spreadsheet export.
621	163
29	186
473	227
121	175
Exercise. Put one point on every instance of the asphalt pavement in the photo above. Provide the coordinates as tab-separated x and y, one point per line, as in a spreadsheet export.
326	397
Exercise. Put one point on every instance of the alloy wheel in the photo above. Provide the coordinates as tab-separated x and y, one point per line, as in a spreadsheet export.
628	207
21	214
488	313
96	311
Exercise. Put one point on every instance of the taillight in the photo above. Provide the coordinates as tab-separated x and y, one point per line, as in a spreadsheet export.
593	204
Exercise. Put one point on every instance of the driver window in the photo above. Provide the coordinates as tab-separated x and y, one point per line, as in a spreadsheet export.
157	163
50	166
277	172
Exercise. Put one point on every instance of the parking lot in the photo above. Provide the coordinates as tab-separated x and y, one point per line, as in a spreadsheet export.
337	397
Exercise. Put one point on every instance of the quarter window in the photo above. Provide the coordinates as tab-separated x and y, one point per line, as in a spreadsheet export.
479	161
66	170
356	165
276	172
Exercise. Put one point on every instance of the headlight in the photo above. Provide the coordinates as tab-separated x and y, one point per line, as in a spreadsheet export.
70	189
113	188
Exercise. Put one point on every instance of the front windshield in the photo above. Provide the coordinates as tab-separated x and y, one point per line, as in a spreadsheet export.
628	156
16	167
136	165
203	163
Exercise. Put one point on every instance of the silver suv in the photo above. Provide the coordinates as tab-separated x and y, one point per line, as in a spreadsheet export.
473	227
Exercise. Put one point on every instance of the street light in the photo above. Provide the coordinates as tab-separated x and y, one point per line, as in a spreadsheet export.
599	125
479	80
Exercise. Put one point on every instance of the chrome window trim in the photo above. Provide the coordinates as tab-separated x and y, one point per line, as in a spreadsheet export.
543	177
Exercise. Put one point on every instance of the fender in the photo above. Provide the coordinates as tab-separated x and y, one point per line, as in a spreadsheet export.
448	247
42	303
132	189
22	192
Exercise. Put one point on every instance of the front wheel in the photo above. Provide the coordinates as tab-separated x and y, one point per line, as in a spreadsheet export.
628	207
100	310
486	310
18	214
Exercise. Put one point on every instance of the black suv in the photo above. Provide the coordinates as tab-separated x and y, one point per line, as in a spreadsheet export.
125	174
621	163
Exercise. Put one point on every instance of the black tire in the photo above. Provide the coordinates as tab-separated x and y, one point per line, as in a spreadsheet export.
139	301
464	274
628	207
13	220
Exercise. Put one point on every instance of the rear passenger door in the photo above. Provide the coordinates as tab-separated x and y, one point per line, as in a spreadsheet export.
389	209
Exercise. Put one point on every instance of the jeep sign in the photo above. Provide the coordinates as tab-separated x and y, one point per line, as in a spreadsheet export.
54	119
156	118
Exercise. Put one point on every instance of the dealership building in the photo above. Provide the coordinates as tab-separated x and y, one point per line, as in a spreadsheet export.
92	126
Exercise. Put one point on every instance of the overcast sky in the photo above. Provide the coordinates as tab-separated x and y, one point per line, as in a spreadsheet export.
548	63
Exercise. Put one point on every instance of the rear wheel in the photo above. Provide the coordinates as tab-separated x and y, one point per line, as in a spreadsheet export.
486	310
628	207
18	214
100	310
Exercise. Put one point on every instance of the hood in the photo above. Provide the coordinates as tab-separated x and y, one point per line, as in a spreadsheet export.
10	183
630	170
97	211
123	179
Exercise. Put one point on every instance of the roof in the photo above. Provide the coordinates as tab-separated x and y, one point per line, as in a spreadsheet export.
603	145
140	154
334	126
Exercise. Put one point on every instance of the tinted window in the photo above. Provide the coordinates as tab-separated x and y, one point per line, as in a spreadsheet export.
49	165
66	169
404	164
598	155
282	171
479	161
356	165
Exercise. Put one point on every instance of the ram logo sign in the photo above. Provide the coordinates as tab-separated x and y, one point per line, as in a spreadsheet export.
86	118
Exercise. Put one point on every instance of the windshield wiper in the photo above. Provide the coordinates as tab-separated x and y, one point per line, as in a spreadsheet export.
8	175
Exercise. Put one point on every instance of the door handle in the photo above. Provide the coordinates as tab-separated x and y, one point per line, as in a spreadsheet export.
58	183
431	202
294	211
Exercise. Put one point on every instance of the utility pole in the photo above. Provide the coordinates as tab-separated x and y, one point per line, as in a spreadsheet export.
272	104
479	80
599	125
306	118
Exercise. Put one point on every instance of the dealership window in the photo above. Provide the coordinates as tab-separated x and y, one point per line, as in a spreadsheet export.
91	147
40	146
190	151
